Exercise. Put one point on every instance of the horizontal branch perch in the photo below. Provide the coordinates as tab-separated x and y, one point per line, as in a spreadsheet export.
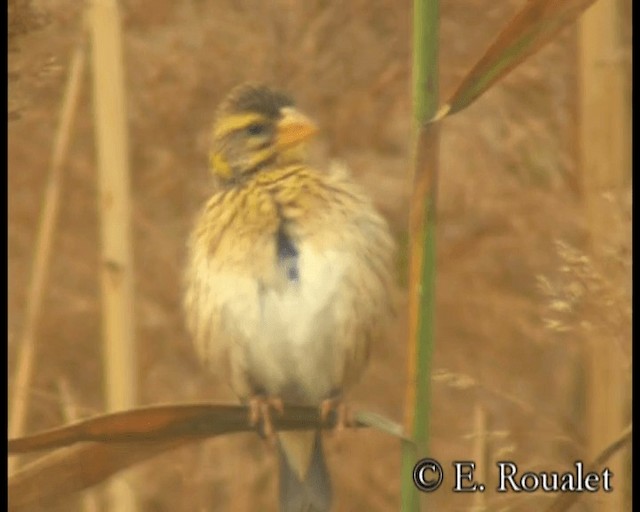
168	422
119	440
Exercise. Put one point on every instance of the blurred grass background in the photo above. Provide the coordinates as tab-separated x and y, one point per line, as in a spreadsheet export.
514	307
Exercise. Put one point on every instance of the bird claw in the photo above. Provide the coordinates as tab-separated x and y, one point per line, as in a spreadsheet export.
260	414
342	411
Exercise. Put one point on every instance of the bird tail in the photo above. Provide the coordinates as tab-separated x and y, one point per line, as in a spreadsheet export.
304	480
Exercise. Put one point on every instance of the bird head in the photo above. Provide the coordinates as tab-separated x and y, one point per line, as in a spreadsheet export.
255	127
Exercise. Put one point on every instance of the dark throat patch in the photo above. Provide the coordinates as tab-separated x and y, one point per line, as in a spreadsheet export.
287	255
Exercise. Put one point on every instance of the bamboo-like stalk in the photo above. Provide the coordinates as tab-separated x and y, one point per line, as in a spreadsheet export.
44	242
70	413
116	271
480	454
422	253
604	138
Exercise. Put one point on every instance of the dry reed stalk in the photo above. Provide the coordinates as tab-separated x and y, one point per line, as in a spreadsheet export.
116	271
70	413
603	153
480	455
47	226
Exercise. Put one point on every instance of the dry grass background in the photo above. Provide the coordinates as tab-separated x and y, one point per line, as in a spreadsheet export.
510	189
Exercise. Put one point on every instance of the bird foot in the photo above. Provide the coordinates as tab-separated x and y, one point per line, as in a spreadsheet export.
260	414
341	409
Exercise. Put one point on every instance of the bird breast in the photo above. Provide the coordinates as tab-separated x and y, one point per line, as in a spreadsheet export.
286	289
294	353
280	335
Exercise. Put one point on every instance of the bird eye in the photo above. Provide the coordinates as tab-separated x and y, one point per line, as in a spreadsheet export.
255	129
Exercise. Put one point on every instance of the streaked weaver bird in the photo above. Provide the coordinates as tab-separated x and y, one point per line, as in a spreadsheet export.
288	279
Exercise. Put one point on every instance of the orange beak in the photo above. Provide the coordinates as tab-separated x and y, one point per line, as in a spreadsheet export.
293	128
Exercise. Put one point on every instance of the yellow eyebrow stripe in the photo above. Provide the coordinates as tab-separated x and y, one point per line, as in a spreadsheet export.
235	122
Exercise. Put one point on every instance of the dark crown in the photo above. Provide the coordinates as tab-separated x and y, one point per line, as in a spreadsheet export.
256	98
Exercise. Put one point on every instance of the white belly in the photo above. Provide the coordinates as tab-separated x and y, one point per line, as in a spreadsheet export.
290	331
